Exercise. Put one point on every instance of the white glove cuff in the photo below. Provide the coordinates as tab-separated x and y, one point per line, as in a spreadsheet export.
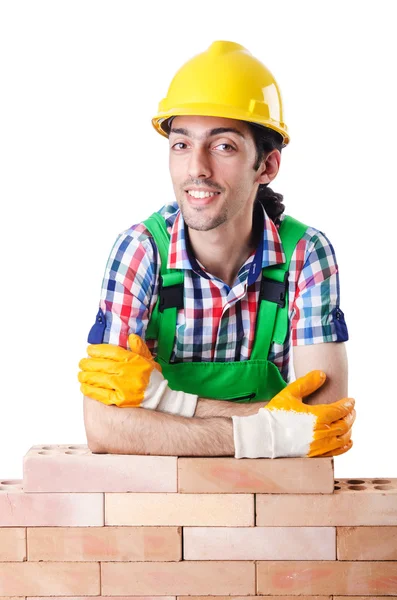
158	396
253	436
273	433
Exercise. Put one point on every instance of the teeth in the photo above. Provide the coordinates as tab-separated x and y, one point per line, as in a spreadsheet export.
197	194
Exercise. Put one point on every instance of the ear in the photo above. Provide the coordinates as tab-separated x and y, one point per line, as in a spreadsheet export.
269	167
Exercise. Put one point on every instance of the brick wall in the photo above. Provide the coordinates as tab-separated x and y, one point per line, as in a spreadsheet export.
167	528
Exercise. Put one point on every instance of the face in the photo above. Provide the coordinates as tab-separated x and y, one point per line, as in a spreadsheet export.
211	164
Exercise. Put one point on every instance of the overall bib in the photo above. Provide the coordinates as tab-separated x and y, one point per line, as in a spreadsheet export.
241	381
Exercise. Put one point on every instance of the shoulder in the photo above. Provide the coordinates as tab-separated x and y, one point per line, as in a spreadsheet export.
137	238
314	243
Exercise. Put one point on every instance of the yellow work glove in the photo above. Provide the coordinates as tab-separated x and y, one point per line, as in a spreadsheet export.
131	378
288	427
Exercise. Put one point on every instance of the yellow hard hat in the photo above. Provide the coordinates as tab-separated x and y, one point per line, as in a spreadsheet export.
224	81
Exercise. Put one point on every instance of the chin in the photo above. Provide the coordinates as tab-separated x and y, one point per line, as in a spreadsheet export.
202	224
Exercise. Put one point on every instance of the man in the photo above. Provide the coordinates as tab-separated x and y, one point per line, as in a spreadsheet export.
201	302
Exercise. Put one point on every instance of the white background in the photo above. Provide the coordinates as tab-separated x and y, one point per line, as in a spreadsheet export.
80	162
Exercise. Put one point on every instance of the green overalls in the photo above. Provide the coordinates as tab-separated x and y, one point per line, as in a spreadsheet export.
241	381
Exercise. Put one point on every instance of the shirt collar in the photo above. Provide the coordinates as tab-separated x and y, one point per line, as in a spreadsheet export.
268	252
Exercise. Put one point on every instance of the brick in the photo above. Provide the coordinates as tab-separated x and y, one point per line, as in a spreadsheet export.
188	578
12	544
130	598
362	504
259	543
332	577
248	598
261	475
177	509
104	543
73	468
19	509
367	543
39	578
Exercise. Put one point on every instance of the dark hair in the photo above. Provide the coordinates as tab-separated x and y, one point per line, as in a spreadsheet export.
267	140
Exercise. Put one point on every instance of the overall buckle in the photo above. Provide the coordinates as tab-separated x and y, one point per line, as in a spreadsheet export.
274	291
170	296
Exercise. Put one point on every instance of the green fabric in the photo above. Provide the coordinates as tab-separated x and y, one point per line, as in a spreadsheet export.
241	381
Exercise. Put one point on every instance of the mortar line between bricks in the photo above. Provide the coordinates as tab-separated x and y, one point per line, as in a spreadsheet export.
182	542
254	510
336	543
26	543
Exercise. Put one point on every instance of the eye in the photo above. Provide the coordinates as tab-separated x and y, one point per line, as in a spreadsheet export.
178	144
228	145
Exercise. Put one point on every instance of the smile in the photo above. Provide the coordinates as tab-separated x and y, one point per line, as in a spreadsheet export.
197	199
197	194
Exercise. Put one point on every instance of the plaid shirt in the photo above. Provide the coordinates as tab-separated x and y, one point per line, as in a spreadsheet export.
217	323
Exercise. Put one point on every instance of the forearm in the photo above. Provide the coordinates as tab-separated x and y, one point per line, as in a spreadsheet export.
116	430
207	407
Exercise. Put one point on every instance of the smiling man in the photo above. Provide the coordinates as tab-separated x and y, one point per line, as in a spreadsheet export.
202	302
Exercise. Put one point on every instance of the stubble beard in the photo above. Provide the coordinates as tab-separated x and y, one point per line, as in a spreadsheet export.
195	217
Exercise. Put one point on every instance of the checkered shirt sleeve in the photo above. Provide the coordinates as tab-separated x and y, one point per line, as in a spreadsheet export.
128	286
316	316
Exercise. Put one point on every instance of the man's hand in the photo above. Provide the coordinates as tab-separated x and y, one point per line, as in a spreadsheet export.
330	423
289	428
130	378
113	375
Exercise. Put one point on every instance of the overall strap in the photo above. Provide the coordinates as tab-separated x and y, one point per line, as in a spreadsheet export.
272	320
162	324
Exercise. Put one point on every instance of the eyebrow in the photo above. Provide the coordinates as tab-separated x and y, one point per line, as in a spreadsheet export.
212	132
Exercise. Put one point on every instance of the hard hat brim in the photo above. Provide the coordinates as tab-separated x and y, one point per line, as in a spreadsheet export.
216	110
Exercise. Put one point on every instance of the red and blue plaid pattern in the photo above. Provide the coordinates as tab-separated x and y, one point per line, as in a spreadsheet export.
218	322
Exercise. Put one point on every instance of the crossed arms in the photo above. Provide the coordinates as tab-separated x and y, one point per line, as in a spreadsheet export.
113	430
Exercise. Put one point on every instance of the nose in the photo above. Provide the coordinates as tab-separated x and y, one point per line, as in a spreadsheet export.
199	164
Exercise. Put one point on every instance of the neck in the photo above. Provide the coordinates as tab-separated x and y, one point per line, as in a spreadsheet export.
223	250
